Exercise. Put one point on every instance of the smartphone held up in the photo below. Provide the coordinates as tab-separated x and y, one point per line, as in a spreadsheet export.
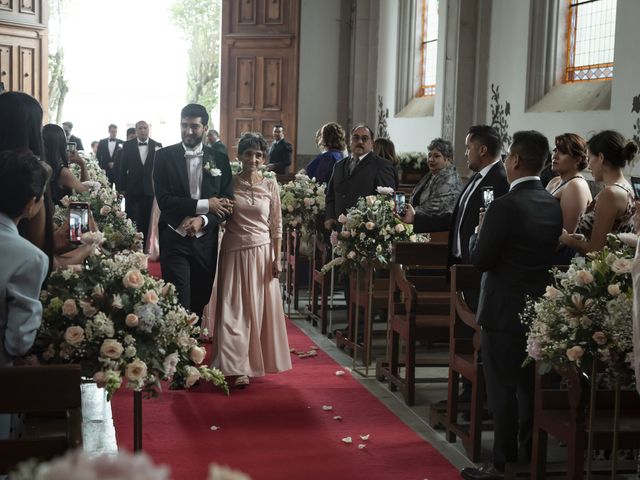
487	196
78	220
400	207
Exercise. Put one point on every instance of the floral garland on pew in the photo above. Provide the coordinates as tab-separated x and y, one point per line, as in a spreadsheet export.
113	318
303	202
368	233
586	314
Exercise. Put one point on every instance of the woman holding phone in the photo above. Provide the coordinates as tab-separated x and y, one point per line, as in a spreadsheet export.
63	181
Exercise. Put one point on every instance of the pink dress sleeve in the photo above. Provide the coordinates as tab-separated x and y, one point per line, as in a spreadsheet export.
275	211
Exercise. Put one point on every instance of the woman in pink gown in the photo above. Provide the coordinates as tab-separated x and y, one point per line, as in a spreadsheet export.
245	311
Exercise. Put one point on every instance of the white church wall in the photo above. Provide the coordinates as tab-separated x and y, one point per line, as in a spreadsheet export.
508	69
318	84
407	133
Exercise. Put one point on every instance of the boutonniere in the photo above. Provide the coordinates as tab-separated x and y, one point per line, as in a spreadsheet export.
158	147
209	166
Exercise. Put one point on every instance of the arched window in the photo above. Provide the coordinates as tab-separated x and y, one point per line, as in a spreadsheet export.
591	26
429	48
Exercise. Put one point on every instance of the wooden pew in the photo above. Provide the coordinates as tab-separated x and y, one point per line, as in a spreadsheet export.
41	390
564	413
293	262
320	282
418	310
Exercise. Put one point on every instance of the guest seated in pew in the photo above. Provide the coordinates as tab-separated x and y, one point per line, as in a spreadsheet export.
434	197
63	181
331	141
23	266
384	148
611	211
514	246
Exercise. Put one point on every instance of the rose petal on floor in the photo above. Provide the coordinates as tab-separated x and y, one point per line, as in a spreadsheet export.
214	427
361	446
347	440
365	437
339	373
326	408
337	417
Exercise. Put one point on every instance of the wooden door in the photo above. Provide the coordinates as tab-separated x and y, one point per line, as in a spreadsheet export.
259	69
23	47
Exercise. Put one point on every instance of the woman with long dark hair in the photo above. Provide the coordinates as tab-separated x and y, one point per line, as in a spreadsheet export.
63	181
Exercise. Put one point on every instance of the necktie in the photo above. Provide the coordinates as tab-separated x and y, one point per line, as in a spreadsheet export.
353	161
462	206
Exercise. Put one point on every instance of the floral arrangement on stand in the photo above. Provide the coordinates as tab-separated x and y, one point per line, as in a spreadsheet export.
105	204
303	202
368	233
585	314
94	171
414	160
121	324
121	466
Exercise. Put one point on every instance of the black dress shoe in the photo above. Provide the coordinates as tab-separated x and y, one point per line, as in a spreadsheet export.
485	472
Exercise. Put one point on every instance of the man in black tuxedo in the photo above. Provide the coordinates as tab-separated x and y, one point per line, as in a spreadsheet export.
136	175
107	149
356	176
194	189
117	162
513	247
67	127
213	140
279	153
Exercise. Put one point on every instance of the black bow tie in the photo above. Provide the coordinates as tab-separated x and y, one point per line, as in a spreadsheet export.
142	143
110	140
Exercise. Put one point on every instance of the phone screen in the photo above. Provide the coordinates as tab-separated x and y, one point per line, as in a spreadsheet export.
635	183
78	220
487	196
400	206
71	147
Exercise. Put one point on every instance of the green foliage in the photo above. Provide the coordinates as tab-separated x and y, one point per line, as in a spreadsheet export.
199	21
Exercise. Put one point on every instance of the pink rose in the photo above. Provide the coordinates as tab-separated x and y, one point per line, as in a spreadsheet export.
131	320
370	225
74	335
575	353
120	214
552	293
111	349
105	210
192	319
150	296
69	308
600	338
133	279
136	370
192	376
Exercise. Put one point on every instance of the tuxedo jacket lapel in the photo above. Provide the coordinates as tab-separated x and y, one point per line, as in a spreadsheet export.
181	167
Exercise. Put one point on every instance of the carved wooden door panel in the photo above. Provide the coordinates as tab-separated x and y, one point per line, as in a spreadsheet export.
23	47
259	70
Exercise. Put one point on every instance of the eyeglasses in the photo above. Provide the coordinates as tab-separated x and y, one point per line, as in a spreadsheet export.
357	138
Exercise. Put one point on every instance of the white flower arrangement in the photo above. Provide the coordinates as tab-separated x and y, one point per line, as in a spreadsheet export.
368	233
303	202
121	324
585	314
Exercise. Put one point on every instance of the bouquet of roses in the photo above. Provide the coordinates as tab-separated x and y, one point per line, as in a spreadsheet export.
416	160
369	231
95	172
118	230
303	201
119	323
585	314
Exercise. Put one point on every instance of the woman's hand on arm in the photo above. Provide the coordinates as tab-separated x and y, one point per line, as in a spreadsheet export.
69	180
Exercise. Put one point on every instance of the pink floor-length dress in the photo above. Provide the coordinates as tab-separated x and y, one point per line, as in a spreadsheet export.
245	314
152	241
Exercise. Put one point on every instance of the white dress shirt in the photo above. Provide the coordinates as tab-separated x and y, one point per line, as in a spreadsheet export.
193	157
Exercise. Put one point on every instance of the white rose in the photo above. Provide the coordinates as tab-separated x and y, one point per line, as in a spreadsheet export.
614	289
69	308
351	255
342	218
552	293
105	210
197	354
621	265
136	370
111	349
150	296
133	279
371	199
399	228
120	214
74	335
584	277
192	376
575	353
87	309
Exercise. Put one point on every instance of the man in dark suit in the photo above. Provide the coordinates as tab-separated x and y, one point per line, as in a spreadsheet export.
213	140
107	149
514	248
279	153
194	189
117	162
136	176
356	176
67	127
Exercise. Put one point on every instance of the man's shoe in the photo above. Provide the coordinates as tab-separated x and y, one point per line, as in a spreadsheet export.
485	472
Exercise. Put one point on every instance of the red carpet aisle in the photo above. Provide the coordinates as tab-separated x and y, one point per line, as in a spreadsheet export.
277	428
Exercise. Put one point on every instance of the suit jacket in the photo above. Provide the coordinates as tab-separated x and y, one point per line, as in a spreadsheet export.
280	156
496	178
171	183
77	141
135	178
103	155
23	268
344	189
220	147
514	250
